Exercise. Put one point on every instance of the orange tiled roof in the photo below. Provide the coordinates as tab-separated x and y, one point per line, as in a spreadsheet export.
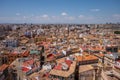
101	55
97	48
3	67
27	63
86	58
26	53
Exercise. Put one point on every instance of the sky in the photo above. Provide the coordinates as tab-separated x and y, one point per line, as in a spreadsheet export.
59	11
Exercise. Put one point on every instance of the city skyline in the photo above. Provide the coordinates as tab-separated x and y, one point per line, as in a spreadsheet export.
59	11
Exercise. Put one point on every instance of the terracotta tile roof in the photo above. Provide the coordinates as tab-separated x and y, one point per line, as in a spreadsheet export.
101	55
27	63
61	60
118	61
97	48
50	57
86	58
26	53
3	67
68	62
24	41
25	69
58	67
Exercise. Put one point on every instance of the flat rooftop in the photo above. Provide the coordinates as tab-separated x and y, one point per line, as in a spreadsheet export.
64	73
85	68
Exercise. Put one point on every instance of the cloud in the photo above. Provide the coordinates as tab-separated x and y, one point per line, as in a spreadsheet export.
45	16
95	10
55	17
24	17
71	18
47	19
14	19
32	15
116	17
81	16
63	13
17	14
